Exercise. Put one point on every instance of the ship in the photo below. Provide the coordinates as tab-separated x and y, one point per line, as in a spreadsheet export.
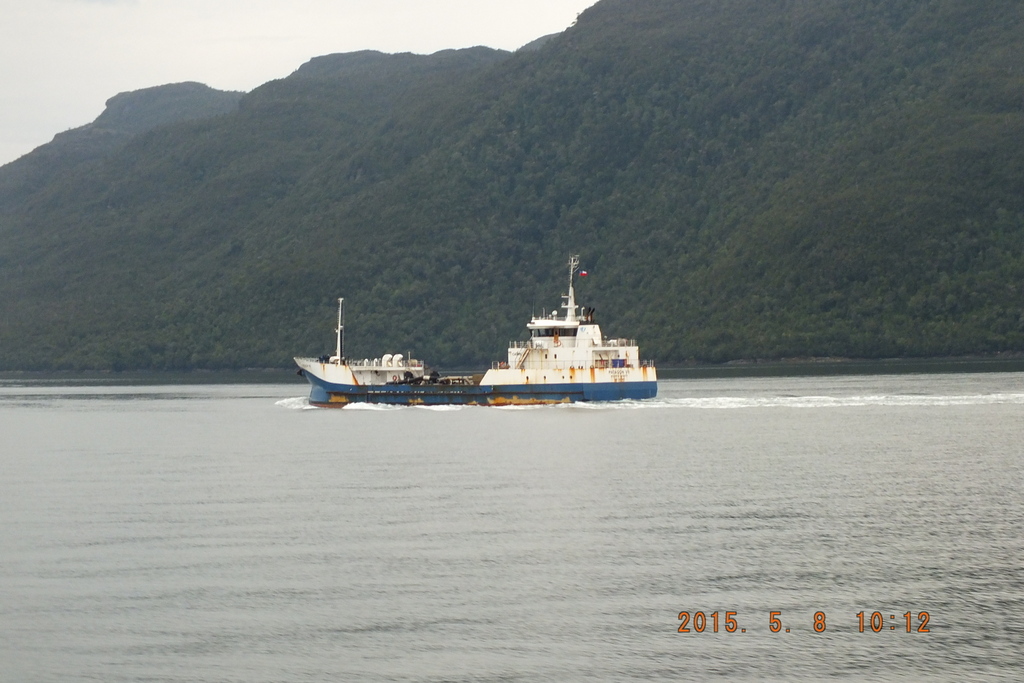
565	360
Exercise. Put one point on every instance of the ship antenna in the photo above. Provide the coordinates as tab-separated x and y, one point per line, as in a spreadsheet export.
570	299
341	329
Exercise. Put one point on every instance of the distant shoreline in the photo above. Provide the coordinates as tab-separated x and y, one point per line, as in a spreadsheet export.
795	367
1006	362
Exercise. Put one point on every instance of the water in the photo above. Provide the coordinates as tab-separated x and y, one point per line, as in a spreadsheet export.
231	533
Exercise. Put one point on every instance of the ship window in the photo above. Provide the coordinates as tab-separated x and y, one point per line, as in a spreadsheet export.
552	331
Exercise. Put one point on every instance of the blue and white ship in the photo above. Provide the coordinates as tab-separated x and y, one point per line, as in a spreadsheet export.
566	359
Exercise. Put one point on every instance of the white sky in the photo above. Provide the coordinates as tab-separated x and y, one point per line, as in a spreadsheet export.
60	60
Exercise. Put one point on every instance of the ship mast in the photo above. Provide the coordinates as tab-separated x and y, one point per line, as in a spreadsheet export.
341	329
570	298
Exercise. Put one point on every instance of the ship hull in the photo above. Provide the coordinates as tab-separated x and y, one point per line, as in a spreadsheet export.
328	394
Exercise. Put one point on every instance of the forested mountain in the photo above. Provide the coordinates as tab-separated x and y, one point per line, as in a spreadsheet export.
743	179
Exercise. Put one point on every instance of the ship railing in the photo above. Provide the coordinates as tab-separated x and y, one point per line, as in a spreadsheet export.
528	344
367	363
647	363
364	363
619	342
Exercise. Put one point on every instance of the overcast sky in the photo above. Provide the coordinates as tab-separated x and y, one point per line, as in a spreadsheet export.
60	60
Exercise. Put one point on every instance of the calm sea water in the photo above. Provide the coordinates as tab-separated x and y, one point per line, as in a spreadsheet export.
231	533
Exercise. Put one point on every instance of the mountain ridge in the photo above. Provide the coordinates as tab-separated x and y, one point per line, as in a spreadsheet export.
125	115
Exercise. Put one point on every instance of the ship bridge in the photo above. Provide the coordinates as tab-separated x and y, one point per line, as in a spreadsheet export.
568	342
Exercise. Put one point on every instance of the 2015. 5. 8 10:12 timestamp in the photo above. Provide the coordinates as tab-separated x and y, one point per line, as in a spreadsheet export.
729	622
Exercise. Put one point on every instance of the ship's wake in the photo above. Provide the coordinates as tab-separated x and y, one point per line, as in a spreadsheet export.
750	402
712	403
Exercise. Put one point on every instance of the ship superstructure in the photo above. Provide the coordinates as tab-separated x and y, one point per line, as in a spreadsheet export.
570	348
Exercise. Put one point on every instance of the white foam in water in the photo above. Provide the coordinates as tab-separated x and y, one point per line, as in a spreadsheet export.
735	402
371	406
719	403
297	403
